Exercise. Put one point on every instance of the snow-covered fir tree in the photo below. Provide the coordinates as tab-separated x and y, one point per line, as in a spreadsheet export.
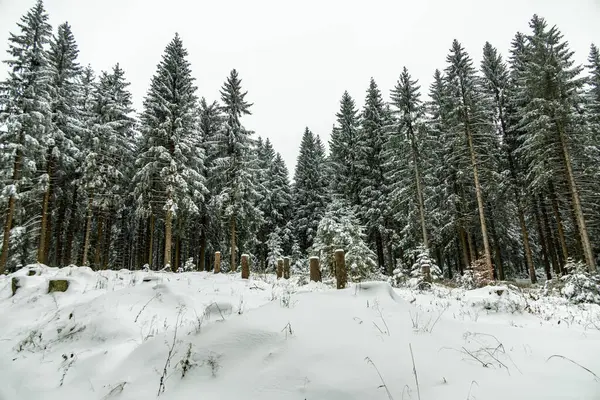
25	111
169	184
308	190
236	167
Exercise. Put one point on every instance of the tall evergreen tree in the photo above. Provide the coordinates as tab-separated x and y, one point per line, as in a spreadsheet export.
370	165
470	122
236	166
170	161
344	149
25	112
64	88
551	86
308	190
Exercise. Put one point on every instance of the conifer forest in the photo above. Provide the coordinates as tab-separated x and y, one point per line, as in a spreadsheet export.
494	167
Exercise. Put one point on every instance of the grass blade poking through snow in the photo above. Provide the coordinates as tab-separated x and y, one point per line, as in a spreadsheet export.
415	371
383	384
576	363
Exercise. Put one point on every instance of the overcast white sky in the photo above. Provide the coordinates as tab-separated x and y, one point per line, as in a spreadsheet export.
297	58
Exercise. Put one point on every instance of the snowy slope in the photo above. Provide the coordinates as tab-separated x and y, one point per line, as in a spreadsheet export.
110	334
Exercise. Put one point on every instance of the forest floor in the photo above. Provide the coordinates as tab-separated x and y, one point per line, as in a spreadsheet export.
136	335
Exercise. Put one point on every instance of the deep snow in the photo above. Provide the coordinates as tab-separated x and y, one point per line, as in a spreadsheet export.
109	335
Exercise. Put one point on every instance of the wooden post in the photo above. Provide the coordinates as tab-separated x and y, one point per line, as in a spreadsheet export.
341	274
217	262
286	268
245	266
315	270
280	268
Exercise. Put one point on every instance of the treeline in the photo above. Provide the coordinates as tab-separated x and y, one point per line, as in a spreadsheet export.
499	168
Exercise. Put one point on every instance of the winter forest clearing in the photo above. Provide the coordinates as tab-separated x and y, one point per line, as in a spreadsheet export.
460	223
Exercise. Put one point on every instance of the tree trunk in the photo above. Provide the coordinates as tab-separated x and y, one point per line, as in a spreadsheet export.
107	241
418	182
465	250
42	251
245	266
67	258
88	231
497	252
233	266
58	234
526	245
341	274
99	242
560	227
379	247
150	241
543	241
217	262
202	256
479	195
168	237
577	209
552	252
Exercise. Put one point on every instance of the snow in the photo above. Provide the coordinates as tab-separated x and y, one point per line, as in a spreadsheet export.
109	335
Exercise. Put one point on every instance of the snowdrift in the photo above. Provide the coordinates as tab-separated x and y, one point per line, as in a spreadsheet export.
137	335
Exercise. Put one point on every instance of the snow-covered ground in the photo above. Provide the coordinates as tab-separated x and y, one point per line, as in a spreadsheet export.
110	336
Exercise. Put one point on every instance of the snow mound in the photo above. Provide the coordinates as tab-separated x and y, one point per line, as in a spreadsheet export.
117	335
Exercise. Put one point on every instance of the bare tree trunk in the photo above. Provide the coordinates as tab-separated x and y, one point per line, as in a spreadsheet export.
479	195
88	230
497	252
526	246
315	271
202	256
168	237
58	236
465	251
107	241
245	266
379	247
99	241
551	248
217	262
150	241
233	266
42	252
559	224
578	210
67	258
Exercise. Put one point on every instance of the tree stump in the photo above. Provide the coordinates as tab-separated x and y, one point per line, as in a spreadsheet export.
217	262
315	270
280	268
15	284
58	285
341	274
245	266
286	268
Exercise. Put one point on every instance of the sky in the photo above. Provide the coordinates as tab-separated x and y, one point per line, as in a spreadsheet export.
297	58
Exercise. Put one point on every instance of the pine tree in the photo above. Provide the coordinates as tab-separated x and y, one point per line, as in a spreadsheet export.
168	178
309	190
25	112
370	162
550	90
63	71
344	149
408	142
210	126
236	166
472	124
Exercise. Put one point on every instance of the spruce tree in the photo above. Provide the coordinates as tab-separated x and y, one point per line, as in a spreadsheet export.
370	162
64	89
344	149
551	87
406	148
308	190
236	167
25	111
168	179
471	123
